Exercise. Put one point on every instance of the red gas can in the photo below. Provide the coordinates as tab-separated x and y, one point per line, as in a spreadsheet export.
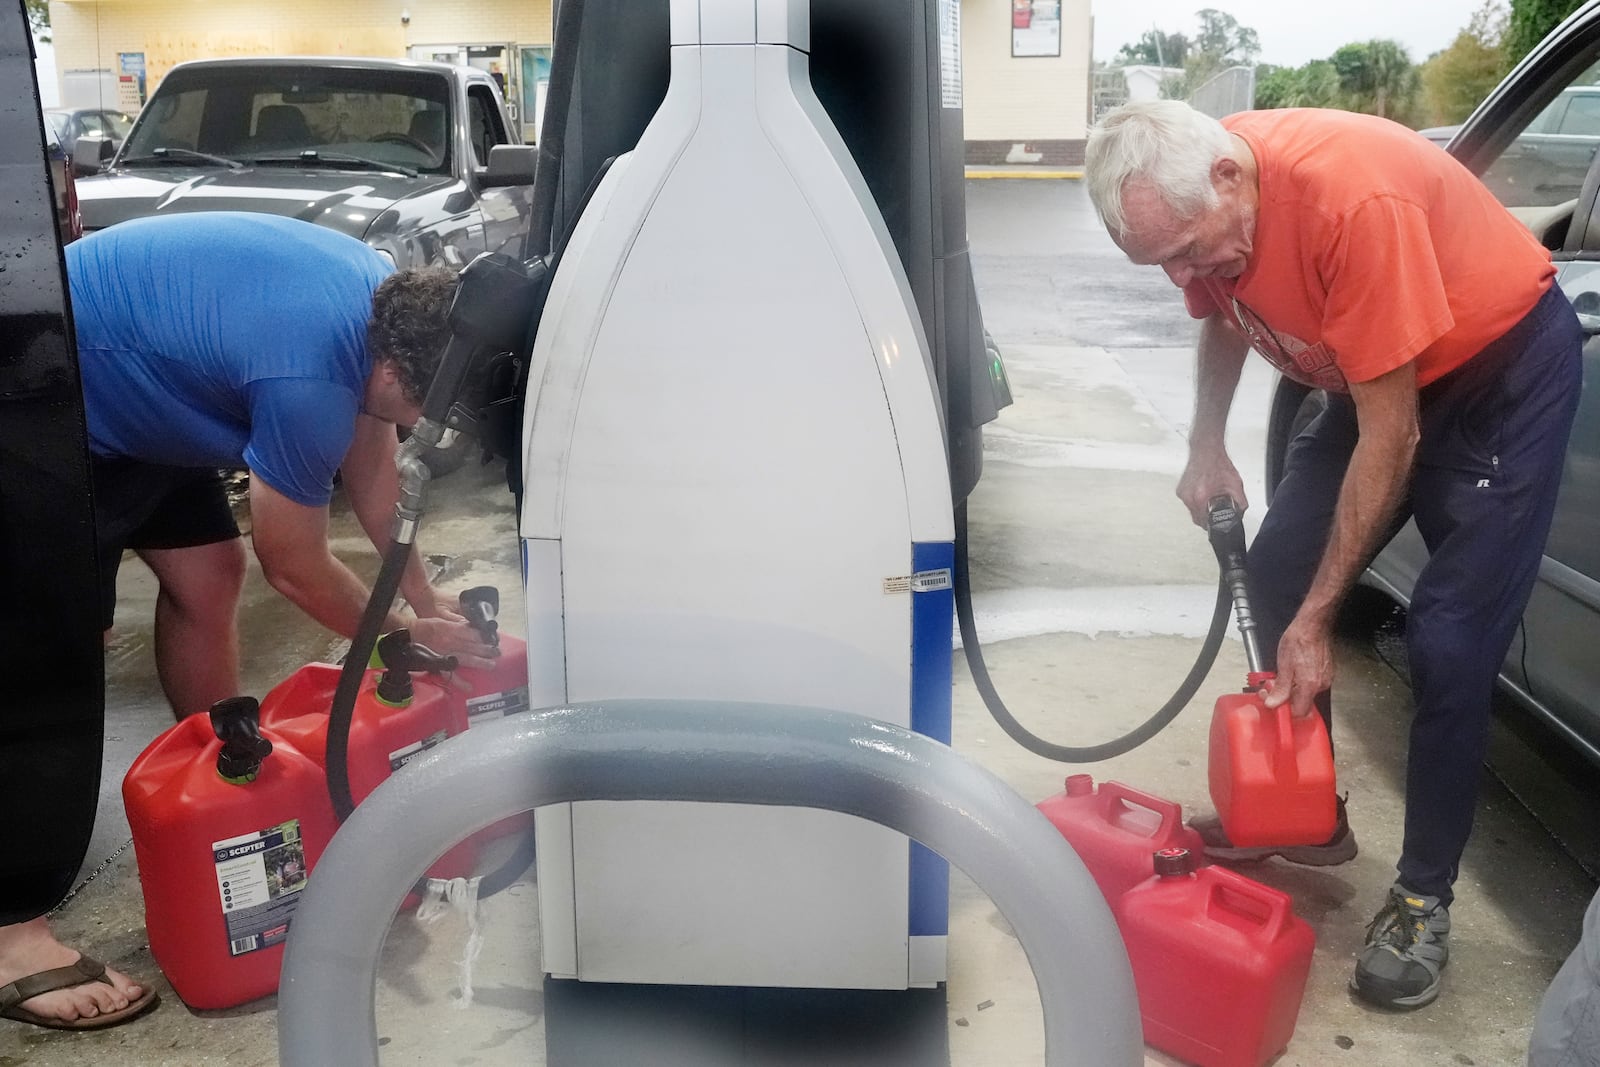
1115	829
500	690
1220	962
227	821
1271	774
493	693
393	722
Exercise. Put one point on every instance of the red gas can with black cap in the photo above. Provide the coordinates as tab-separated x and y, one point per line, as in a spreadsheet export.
394	721
497	691
228	819
1220	962
487	694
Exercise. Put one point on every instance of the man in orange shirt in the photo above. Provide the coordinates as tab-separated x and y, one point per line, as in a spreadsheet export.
1360	259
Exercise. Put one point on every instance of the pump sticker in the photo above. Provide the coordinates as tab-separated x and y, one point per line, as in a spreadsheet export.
259	878
922	582
950	53
402	756
496	705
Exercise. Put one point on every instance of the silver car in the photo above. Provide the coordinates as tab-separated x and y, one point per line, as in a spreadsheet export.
1528	145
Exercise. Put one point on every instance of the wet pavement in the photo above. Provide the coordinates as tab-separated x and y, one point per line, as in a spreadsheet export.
1092	592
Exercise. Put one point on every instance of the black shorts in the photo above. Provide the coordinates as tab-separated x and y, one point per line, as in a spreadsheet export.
141	505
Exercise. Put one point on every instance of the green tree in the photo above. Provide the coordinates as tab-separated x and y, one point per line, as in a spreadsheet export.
39	18
1221	36
1530	21
1455	80
1220	44
1155	48
1314	85
1377	77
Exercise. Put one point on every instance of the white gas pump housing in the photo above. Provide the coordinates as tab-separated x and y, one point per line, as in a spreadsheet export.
736	487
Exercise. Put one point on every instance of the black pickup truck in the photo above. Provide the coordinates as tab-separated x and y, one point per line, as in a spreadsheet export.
416	159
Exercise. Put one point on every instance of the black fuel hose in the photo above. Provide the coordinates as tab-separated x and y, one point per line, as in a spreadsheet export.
337	754
1075	753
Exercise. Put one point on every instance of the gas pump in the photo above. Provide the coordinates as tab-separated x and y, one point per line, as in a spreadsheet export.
736	482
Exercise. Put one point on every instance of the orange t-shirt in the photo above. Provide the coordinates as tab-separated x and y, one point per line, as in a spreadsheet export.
1372	247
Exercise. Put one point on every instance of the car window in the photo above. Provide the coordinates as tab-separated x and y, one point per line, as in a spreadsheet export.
116	123
1545	163
91	122
394	117
484	124
1582	117
57	124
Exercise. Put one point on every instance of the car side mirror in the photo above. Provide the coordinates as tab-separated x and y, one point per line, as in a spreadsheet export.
90	154
509	164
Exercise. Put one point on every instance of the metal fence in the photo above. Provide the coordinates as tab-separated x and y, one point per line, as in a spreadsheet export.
1226	93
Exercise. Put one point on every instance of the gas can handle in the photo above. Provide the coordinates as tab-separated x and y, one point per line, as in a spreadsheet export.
1288	763
1171	813
1226	883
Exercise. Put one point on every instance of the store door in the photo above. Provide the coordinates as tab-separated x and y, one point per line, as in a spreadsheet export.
534	77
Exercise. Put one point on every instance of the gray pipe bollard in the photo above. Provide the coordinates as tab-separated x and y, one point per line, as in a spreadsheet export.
703	751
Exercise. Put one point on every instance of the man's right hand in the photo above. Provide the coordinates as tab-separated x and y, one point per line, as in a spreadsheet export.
1206	477
454	636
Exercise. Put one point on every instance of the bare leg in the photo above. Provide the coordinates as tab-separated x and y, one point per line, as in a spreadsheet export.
28	948
197	633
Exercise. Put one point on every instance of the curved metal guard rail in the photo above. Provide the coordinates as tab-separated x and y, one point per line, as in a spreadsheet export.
704	751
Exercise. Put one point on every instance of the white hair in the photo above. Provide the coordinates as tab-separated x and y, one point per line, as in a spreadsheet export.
1166	143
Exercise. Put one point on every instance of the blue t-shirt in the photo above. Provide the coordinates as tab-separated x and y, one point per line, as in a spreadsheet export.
217	339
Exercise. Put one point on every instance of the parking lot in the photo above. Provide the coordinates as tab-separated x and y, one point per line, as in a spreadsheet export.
1092	592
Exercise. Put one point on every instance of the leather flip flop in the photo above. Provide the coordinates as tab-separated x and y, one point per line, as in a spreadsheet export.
75	974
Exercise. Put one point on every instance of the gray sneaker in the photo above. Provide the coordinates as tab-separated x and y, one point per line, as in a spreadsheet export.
1340	848
1408	945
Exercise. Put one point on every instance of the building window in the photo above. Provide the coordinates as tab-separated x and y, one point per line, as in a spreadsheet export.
1036	27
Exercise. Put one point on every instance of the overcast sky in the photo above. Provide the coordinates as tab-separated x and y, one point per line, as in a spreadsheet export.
1292	33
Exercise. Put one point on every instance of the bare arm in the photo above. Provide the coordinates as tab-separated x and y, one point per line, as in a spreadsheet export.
1210	473
1374	484
373	486
291	541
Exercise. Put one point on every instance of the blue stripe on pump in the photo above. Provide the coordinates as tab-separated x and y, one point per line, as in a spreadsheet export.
932	612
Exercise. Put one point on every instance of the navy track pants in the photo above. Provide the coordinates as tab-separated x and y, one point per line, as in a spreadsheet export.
1494	437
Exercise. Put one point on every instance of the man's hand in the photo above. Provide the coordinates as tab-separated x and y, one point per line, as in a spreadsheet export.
1208	476
431	603
1305	667
453	636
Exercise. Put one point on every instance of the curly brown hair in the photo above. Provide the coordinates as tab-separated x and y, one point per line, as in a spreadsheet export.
410	325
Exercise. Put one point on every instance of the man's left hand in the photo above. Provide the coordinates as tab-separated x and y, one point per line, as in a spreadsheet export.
1305	667
452	636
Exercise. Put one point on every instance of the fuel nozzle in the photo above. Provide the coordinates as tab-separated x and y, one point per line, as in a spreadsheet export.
400	655
1225	526
237	723
481	606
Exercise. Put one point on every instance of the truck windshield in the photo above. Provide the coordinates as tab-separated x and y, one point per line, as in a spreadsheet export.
393	118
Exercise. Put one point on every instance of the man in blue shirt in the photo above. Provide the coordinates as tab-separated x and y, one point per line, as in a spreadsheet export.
226	339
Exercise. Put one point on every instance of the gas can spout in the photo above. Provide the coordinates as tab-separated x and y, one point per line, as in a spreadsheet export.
480	605
400	655
237	724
